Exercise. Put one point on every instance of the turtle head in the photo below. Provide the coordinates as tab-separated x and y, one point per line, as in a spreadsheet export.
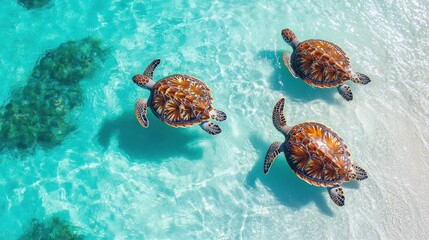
290	37
143	81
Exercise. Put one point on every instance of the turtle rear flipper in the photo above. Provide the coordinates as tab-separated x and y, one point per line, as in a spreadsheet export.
286	61
217	115
211	128
140	111
345	92
337	195
360	78
359	173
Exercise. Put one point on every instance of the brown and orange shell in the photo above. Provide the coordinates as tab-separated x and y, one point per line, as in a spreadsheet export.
318	155
321	63
181	100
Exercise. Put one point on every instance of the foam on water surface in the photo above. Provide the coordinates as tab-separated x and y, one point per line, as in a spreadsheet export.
113	179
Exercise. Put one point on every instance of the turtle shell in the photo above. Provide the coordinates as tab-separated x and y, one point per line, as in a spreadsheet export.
321	63
181	100
317	154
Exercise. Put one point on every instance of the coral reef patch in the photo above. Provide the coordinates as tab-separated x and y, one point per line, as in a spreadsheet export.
31	4
36	114
53	228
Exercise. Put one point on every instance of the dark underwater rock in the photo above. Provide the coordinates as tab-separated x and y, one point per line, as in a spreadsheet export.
37	113
31	4
53	228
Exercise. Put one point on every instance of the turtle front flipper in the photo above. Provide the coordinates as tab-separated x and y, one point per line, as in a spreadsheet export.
345	92
217	115
337	195
360	78
359	173
286	61
279	119
272	153
145	80
140	111
148	72
211	128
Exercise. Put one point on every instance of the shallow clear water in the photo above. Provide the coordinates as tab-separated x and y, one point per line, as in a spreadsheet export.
115	180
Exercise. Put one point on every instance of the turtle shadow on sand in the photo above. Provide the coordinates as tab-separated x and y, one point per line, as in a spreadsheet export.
155	143
284	184
295	88
33	4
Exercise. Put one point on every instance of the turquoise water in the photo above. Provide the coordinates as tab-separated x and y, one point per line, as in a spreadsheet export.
112	179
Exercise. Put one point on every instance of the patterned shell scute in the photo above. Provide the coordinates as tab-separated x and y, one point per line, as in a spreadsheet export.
321	63
181	100
317	154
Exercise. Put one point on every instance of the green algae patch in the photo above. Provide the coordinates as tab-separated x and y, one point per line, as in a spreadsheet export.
53	228
32	4
37	114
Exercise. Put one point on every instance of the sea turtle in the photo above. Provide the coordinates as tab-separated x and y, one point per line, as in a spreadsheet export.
315	153
178	100
321	64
